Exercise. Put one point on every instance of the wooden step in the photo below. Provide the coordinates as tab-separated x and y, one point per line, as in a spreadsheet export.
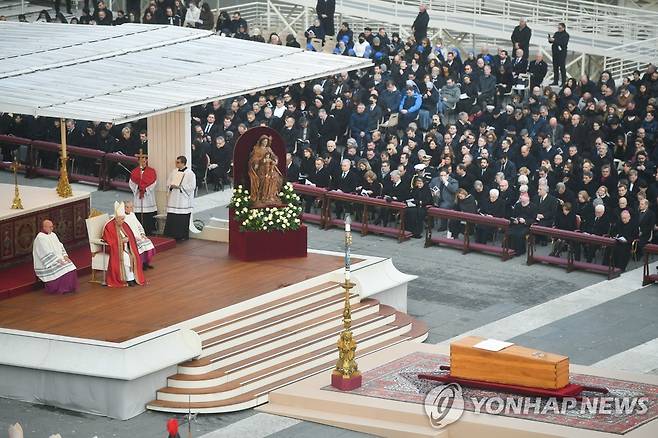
287	317
259	396
296	362
275	323
365	307
264	311
271	338
287	351
281	370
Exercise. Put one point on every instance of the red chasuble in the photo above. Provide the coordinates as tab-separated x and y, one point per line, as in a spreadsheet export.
115	269
143	180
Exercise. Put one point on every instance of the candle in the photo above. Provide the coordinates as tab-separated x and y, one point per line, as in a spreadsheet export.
348	221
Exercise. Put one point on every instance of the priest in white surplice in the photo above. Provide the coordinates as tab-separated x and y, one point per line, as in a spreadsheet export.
51	262
145	247
142	183
181	185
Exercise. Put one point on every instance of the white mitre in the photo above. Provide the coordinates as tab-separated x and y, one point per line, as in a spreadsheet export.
119	209
15	431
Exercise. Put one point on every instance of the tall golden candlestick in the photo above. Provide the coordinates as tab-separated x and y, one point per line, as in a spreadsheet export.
17	204
346	375
63	186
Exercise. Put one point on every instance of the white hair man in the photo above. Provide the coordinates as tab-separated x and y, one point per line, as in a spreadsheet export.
124	266
145	246
51	262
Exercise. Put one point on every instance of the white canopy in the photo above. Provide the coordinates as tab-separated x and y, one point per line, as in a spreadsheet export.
123	73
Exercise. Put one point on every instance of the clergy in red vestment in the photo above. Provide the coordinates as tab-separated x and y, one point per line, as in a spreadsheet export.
125	266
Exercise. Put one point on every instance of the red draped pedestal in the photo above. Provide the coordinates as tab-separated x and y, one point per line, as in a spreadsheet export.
264	245
261	245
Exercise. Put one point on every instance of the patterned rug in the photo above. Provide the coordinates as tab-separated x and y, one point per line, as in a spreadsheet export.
397	380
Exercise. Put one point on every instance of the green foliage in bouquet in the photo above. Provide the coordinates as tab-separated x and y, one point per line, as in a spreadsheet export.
284	218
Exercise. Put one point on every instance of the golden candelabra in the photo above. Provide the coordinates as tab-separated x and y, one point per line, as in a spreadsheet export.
17	204
346	375
346	366
63	185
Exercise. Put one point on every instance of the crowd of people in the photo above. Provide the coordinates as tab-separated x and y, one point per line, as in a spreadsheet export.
428	126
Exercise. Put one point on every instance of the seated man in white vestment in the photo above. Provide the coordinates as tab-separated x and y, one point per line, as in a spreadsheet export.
51	262
145	247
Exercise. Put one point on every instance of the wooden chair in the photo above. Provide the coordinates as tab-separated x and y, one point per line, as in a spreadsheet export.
99	256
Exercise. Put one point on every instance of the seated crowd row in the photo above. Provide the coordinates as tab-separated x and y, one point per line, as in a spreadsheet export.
424	126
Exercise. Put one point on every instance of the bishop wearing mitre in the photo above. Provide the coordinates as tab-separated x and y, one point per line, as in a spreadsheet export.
145	246
181	185
51	262
125	266
142	183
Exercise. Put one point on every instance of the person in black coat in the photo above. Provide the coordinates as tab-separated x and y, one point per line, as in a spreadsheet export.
220	163
73	133
465	202
485	173
547	206
325	10
646	222
625	231
559	41
346	182
211	128
537	69
292	169
320	178
565	220
290	134
584	210
416	211
524	214
521	38
307	165
326	129
395	190
493	206
600	226
419	26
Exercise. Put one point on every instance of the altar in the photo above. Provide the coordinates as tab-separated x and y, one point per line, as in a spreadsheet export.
19	227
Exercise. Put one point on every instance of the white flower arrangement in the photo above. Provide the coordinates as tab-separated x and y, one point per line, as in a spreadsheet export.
284	218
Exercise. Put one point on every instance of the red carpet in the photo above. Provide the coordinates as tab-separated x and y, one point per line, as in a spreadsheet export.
20	279
398	380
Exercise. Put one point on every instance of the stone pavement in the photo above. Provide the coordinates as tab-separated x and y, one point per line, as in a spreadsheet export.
594	321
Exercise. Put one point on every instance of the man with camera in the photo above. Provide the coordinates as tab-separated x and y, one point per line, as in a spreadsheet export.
559	41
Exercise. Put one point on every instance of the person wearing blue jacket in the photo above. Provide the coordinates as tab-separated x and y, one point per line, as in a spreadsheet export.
359	125
409	106
390	99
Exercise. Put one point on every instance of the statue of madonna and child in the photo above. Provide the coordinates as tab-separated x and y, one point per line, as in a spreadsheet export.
265	179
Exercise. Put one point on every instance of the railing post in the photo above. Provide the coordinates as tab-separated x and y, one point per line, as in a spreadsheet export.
429	225
306	24
364	220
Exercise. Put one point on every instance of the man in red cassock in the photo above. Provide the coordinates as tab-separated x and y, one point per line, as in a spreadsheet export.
125	266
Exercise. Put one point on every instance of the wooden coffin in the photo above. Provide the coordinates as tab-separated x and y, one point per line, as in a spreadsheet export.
513	365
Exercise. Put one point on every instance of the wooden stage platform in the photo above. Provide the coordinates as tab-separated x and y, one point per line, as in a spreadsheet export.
194	278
